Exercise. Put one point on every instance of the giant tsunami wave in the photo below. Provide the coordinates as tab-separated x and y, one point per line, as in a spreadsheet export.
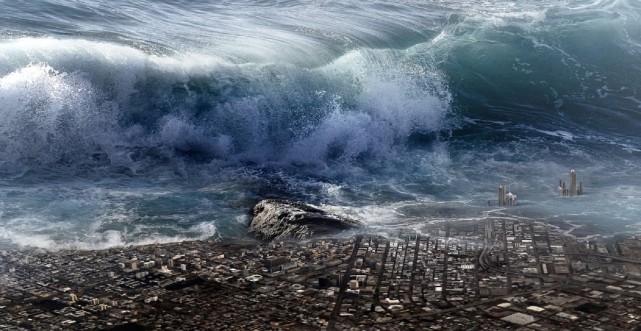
102	104
165	121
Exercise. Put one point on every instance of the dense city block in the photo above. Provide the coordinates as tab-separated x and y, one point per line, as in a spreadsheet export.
502	273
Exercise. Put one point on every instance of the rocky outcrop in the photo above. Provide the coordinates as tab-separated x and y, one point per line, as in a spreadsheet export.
278	219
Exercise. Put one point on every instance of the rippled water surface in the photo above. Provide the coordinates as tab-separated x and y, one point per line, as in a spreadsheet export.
130	122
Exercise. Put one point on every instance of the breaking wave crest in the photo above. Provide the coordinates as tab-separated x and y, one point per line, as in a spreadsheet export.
123	126
74	102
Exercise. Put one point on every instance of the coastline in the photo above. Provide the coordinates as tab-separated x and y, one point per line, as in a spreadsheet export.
411	279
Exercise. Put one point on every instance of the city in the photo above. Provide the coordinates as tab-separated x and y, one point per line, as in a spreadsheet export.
503	273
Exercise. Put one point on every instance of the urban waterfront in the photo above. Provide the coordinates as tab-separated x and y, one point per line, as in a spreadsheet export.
497	274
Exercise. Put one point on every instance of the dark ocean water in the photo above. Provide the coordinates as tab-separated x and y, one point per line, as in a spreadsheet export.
130	122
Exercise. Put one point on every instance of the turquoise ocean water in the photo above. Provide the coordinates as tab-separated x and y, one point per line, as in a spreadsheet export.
131	122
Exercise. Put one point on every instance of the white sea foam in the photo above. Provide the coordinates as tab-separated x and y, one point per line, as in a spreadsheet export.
82	94
101	240
116	133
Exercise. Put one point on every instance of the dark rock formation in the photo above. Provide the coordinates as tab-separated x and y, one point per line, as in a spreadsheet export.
277	219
